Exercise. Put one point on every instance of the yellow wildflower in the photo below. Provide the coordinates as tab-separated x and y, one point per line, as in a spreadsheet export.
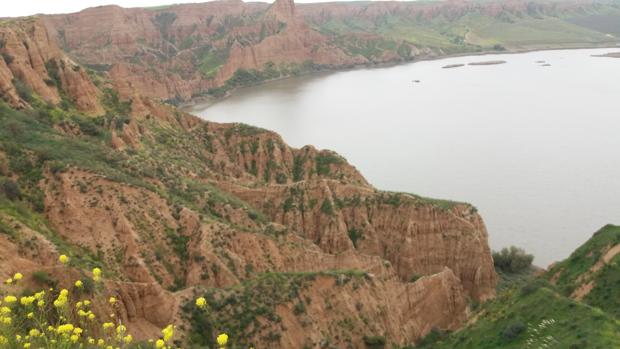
39	295
40	303
128	338
168	332
79	284
74	338
7	320
5	310
222	339
100	342
107	325
26	345
8	281
18	276
159	344
3	340
63	259
34	332
65	329
112	300
121	329
91	316
26	300
201	302
10	299
30	315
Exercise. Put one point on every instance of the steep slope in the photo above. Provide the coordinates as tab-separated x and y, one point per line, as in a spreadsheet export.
592	272
31	57
172	207
572	305
178	52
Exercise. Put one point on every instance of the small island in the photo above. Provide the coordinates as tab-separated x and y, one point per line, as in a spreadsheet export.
609	55
453	66
487	63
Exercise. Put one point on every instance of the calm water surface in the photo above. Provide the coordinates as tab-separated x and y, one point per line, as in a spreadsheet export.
536	149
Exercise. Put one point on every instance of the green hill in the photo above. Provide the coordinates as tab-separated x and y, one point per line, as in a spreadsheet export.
546	311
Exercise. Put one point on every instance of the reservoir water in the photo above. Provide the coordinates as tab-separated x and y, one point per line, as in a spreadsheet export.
533	143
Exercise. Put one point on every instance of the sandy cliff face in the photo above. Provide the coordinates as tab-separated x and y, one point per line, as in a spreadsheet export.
263	207
186	50
32	57
176	205
158	53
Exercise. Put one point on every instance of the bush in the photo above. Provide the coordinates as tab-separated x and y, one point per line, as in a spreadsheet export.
512	260
435	335
43	278
374	342
512	331
23	90
7	58
534	286
327	208
11	189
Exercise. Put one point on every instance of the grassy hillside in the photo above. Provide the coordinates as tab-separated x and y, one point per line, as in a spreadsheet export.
476	30
540	312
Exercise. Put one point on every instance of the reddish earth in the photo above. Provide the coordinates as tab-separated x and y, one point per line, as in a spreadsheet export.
262	206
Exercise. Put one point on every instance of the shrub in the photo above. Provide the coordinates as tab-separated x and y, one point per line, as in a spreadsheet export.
299	308
323	162
298	168
327	208
280	178
435	335
374	342
355	235
512	260
512	331
23	90
43	278
11	189
7	58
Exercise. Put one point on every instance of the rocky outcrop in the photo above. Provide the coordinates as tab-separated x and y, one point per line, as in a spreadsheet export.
32	58
7	90
399	312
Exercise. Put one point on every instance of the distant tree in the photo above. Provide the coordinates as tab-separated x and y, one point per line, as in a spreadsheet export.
512	259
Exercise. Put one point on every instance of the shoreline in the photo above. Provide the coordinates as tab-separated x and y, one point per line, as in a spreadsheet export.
202	103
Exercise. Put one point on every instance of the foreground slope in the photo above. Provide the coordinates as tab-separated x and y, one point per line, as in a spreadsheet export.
292	247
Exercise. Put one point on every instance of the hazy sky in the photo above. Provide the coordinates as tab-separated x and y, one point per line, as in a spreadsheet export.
14	8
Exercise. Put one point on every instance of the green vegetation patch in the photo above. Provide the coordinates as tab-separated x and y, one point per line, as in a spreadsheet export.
535	316
249	309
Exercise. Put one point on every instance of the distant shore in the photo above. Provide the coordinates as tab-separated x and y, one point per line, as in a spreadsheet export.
204	102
